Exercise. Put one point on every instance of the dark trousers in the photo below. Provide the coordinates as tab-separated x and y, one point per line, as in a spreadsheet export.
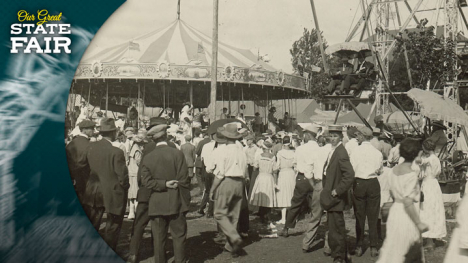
178	226
206	194
250	170
337	234
200	178
301	193
352	79
332	85
139	224
252	183
112	231
95	215
366	205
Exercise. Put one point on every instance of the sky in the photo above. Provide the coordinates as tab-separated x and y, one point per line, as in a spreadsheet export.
269	25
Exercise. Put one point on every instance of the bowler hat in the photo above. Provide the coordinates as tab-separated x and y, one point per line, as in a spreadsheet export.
230	131
86	124
107	125
219	137
156	121
157	131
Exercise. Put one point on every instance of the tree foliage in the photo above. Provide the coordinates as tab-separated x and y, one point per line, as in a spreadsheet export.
306	55
431	58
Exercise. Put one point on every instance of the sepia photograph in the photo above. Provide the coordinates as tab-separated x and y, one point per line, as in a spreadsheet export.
275	131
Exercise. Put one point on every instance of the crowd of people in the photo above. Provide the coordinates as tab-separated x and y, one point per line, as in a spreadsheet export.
330	169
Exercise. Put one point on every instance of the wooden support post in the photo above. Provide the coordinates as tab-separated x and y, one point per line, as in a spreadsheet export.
359	114
319	36
214	62
338	111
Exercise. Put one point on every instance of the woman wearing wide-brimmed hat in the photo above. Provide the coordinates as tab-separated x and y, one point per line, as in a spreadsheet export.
438	135
263	192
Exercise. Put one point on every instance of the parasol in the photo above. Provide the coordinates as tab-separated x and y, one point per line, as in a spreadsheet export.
348	49
220	123
435	106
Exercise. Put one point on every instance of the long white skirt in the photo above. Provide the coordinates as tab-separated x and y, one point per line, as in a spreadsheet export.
402	235
263	192
432	209
286	184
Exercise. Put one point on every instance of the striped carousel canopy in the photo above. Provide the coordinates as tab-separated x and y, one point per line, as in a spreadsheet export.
179	44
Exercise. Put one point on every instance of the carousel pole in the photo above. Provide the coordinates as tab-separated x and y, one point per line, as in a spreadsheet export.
164	95
144	95
89	92
266	116
229	103
191	93
214	62
107	97
138	107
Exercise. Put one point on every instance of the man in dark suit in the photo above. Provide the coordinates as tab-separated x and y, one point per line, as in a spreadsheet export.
165	172
362	76
338	179
77	151
143	196
108	163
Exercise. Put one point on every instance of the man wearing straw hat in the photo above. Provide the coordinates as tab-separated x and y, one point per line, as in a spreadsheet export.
108	163
367	164
308	187
165	172
228	187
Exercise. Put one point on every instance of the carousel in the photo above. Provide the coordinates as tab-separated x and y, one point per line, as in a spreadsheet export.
170	67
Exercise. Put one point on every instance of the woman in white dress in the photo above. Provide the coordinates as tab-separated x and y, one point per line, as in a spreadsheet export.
286	177
432	208
134	161
404	227
186	120
263	192
458	247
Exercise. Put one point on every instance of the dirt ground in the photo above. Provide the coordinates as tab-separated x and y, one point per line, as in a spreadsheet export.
202	248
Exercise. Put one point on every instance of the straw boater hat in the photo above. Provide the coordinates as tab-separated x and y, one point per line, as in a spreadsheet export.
439	124
335	128
230	131
107	125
